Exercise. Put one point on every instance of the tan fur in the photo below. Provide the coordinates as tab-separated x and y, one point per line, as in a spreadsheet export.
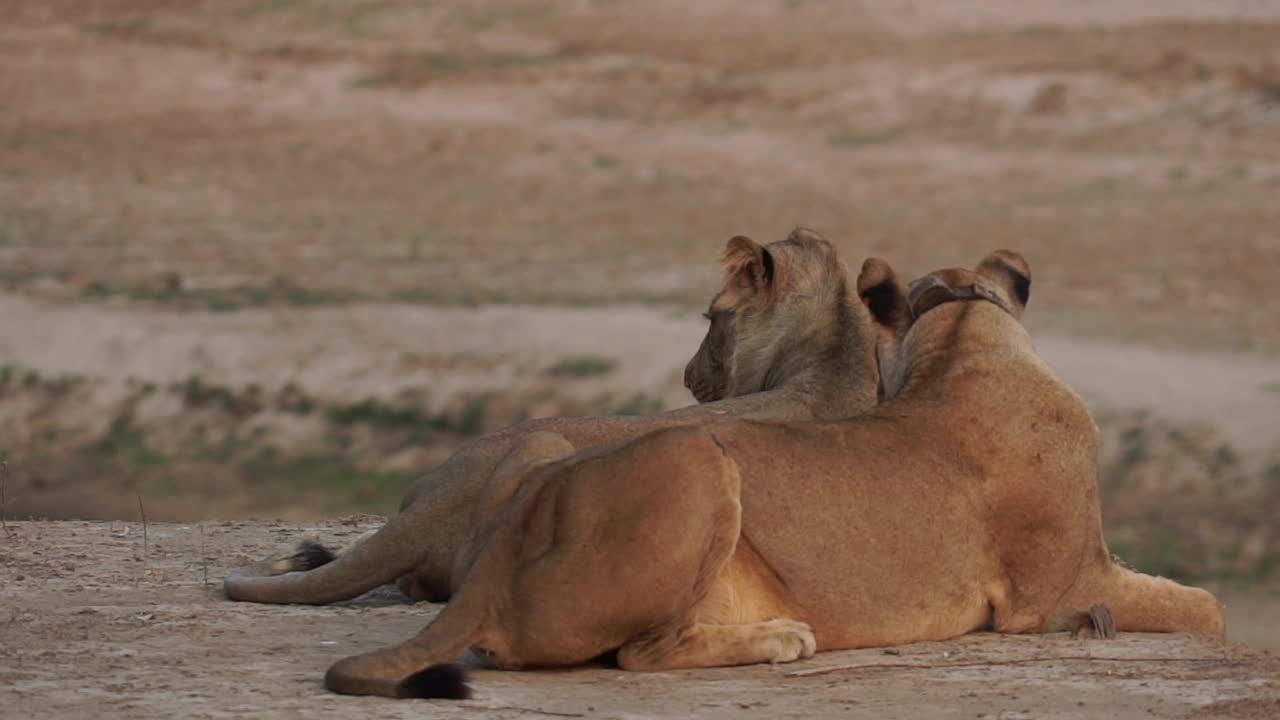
968	498
791	343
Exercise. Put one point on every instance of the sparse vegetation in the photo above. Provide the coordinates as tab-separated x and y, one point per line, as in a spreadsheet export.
858	139
30	379
1179	501
198	394
414	419
126	444
169	291
582	366
410	69
470	420
334	479
639	404
125	28
1133	451
293	399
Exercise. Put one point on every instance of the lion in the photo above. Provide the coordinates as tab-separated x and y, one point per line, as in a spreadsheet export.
967	499
787	339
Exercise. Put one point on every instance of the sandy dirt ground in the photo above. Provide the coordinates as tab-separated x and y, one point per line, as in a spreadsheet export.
95	626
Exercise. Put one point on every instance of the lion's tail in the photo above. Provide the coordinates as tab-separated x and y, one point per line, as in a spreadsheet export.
422	667
1145	603
312	576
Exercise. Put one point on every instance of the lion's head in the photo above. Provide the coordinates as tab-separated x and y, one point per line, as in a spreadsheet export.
782	311
1002	278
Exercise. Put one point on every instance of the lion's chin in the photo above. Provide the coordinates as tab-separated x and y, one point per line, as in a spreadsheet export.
704	395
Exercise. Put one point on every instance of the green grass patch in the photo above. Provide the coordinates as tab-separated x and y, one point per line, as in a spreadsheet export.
639	404
343	485
418	68
222	300
198	394
128	28
385	416
31	379
293	399
470	419
582	366
1133	443
862	139
126	445
267	7
419	422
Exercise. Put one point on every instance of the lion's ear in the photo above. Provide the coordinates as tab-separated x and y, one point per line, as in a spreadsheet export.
1011	272
884	295
748	272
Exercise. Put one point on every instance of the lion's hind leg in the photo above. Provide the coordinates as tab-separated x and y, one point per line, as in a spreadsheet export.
706	645
531	451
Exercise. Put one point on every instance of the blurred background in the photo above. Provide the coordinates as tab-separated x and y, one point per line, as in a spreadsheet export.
274	258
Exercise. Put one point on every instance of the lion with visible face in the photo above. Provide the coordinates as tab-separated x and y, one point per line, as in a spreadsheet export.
967	499
788	340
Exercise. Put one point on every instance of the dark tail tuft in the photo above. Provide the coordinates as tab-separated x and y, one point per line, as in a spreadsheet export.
439	681
309	556
1104	625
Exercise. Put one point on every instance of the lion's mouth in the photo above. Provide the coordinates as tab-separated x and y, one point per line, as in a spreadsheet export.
705	393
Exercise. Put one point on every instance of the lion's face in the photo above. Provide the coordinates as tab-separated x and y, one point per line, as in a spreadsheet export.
707	374
748	283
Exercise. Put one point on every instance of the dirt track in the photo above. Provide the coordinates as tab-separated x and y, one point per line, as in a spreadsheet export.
94	627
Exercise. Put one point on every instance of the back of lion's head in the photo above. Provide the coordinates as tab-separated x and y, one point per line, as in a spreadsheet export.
1002	279
780	308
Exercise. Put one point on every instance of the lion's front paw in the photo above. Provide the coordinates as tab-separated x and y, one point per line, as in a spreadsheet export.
790	640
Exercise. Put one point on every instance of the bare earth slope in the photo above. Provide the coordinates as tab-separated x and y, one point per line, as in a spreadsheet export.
93	626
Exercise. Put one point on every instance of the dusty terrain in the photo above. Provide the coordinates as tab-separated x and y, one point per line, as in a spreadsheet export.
274	258
94	626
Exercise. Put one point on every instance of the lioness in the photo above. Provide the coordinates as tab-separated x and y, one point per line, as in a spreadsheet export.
787	340
967	499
